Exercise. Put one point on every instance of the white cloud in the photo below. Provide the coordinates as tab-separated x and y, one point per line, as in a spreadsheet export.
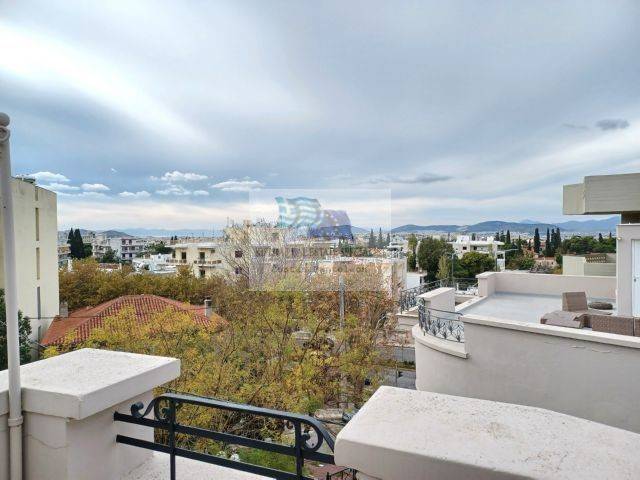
60	187
177	176
140	194
90	194
95	187
48	177
174	190
233	185
201	193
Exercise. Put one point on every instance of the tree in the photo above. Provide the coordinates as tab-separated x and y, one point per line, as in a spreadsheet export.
536	241
380	242
548	247
372	240
474	263
412	241
24	330
388	240
159	248
429	252
109	256
508	238
444	268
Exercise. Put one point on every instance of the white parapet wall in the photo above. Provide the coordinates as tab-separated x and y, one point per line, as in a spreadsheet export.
406	434
578	372
68	405
545	284
443	299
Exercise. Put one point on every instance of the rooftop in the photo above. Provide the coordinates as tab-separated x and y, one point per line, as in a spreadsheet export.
525	307
82	321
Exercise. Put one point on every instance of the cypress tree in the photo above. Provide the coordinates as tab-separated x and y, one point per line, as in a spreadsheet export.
536	241
79	245
388	241
372	239
380	240
508	238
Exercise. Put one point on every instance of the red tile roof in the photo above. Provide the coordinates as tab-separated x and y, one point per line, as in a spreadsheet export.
84	320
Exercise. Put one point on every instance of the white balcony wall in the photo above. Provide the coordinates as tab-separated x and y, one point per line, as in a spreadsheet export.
68	407
545	284
578	372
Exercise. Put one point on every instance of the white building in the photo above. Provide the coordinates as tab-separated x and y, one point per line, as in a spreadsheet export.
204	258
158	264
36	230
125	248
465	244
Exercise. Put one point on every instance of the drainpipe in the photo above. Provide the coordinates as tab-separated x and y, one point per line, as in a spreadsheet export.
11	302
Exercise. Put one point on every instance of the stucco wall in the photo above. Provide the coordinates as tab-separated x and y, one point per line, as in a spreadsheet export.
545	284
25	204
568	372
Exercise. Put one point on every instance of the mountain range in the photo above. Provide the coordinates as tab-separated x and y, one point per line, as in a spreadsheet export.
526	226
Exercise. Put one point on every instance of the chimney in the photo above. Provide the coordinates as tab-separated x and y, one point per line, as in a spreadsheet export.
64	309
208	309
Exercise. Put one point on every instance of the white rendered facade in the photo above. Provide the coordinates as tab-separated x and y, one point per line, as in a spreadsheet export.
36	231
464	244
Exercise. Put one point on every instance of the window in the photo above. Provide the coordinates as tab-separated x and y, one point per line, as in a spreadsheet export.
38	303
38	263
202	273
37	223
183	255
202	256
238	253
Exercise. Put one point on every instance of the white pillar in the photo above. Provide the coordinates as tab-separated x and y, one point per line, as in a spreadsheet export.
11	305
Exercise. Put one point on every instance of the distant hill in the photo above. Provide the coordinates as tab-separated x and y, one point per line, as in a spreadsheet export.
115	234
584	226
603	226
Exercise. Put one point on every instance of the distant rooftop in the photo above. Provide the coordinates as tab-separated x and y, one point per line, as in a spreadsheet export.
81	322
521	306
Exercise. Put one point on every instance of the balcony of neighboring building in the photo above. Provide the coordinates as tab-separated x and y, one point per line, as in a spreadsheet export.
92	414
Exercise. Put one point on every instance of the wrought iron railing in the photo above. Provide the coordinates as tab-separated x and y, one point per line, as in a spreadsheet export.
344	474
409	296
441	324
309	435
462	285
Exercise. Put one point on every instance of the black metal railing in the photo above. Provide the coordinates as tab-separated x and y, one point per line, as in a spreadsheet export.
463	285
344	474
441	324
309	435
409	296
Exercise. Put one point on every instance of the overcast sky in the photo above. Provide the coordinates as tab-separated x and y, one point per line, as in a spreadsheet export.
166	114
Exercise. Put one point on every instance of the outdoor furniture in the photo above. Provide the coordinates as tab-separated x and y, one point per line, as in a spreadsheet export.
577	302
560	318
615	324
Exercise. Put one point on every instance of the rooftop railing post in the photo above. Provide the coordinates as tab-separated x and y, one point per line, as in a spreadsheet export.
11	306
172	439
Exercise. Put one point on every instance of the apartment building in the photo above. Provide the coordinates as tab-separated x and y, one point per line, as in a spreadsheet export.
36	231
204	258
465	244
125	248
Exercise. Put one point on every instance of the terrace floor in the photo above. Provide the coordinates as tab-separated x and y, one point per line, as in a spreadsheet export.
518	306
157	468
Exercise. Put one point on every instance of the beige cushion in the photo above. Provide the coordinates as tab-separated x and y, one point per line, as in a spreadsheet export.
560	318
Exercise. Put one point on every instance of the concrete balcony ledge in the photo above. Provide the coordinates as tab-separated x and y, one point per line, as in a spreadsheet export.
68	405
423	435
84	382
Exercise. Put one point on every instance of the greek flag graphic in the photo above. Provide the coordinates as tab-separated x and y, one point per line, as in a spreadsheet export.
299	212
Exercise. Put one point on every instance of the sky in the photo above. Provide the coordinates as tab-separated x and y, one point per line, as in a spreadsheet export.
175	114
